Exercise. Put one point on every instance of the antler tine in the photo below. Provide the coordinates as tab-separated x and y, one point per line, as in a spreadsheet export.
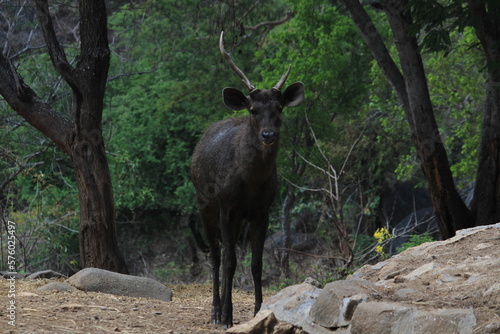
235	68
281	83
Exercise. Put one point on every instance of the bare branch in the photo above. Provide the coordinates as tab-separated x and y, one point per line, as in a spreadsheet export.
31	107
305	188
377	47
119	75
55	49
270	24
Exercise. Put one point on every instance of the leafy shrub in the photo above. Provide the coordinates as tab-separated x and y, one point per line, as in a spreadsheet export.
415	240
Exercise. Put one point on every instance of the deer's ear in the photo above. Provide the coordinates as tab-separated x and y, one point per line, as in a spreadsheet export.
235	99
293	95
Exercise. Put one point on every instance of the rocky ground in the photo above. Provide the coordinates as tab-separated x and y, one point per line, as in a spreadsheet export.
442	287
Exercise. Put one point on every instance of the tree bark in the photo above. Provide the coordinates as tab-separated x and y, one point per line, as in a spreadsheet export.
98	242
451	211
80	138
486	202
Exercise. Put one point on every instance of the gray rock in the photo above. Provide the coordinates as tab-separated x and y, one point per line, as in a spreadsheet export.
404	293
46	274
292	305
265	322
445	321
491	328
337	302
56	286
99	280
396	318
8	275
420	271
375	318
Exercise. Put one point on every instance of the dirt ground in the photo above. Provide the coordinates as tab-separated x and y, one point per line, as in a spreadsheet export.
92	312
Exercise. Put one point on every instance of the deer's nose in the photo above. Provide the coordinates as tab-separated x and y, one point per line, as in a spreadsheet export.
268	137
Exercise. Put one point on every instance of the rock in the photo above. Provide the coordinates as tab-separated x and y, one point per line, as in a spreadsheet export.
265	322
491	328
46	274
8	275
56	286
338	301
313	282
396	318
374	318
292	305
286	328
404	293
99	280
420	270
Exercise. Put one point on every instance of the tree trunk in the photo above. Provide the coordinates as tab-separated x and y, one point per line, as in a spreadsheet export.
98	243
81	139
486	203
450	209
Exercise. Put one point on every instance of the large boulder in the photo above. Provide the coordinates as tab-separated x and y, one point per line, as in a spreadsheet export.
99	280
397	318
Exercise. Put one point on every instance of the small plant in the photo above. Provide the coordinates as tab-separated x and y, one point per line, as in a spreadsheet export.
415	240
381	234
281	284
172	272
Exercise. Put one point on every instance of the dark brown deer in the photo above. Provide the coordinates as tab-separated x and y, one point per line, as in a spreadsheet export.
233	169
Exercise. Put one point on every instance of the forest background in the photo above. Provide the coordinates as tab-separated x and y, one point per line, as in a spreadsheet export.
342	151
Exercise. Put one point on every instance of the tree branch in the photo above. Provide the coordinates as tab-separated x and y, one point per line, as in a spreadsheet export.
287	17
55	49
26	103
377	47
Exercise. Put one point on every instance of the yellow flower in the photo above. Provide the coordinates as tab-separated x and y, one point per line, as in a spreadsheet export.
382	234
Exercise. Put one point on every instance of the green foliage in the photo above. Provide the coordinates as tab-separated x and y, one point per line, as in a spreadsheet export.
172	273
40	196
329	56
457	86
156	117
434	20
415	240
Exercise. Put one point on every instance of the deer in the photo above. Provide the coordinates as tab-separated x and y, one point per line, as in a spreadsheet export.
233	170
